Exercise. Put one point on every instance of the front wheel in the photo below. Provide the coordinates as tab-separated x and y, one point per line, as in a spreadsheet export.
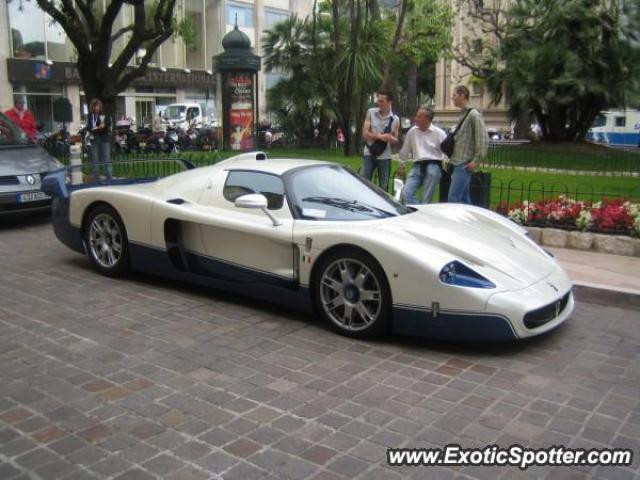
106	241
351	292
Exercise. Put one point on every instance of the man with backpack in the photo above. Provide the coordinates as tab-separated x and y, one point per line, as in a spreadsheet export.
380	131
471	144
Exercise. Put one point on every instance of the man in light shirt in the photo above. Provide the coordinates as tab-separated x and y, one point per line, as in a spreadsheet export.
422	144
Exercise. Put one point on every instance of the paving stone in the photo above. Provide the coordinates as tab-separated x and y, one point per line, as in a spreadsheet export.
348	466
244	471
57	469
36	458
110	466
163	465
8	471
217	462
17	447
135	474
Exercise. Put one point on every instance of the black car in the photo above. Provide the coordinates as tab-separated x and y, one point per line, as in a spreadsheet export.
23	165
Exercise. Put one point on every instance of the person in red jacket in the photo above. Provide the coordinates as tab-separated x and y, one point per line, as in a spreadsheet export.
22	117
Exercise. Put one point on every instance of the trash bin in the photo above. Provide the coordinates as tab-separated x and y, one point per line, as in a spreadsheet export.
480	188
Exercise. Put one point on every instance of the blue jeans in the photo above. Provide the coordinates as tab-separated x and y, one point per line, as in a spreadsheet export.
460	182
384	167
101	154
427	175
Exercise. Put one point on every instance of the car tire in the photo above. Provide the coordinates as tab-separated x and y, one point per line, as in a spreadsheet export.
351	293
106	241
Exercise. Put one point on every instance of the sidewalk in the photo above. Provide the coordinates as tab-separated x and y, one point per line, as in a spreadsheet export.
602	278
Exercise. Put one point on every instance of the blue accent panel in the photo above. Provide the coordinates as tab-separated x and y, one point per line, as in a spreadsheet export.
68	234
115	181
54	183
228	272
628	139
451	326
222	276
456	273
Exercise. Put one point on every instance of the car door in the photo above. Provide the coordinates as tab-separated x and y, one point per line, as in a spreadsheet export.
244	245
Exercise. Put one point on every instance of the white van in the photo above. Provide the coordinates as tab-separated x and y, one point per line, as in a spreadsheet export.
183	115
616	127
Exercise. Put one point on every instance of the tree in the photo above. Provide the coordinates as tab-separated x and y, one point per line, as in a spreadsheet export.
343	52
561	60
422	36
91	31
296	100
348	51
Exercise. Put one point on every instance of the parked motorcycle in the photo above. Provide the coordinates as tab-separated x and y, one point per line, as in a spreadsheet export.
207	139
188	138
124	139
141	139
58	143
172	140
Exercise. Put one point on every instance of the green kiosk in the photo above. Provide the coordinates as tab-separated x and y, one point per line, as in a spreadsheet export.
238	66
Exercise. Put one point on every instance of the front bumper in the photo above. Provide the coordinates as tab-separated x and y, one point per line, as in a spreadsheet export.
68	234
542	306
23	201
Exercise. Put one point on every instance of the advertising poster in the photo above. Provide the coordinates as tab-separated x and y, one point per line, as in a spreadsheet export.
240	88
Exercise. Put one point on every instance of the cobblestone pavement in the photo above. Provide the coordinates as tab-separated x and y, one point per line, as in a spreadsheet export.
143	378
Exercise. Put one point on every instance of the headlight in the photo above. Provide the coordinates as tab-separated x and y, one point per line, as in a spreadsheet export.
456	273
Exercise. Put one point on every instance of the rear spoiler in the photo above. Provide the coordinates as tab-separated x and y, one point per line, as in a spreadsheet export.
60	182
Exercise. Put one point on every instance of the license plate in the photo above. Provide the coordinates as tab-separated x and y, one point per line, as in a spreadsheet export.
32	197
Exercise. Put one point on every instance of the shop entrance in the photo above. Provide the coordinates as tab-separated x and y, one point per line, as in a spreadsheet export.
145	111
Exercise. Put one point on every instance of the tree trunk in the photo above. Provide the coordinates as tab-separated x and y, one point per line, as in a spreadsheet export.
522	125
412	88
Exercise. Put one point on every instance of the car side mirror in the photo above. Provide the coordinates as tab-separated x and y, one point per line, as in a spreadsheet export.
251	200
256	201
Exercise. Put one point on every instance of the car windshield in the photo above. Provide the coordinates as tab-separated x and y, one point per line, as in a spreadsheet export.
175	112
334	193
12	135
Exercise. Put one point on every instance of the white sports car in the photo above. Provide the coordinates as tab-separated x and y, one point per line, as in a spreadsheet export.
315	235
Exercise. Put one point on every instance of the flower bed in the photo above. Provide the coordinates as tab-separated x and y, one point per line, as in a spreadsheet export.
609	216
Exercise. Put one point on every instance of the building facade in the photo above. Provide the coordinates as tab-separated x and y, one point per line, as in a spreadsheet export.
38	61
449	74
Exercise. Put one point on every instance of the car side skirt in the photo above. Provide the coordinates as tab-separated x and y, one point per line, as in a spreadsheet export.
210	272
451	325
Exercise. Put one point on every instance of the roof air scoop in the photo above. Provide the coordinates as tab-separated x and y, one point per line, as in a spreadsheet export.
248	156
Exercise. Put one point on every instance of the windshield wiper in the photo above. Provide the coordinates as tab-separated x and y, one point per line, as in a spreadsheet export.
350	205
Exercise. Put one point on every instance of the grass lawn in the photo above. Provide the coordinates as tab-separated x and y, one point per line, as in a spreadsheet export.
507	184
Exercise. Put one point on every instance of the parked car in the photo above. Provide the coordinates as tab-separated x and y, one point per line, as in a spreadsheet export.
316	235
23	165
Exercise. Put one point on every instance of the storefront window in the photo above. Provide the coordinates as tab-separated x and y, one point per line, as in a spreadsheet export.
40	102
58	48
34	34
273	16
244	13
26	22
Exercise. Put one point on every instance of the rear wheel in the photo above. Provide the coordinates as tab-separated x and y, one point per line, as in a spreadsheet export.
106	241
352	294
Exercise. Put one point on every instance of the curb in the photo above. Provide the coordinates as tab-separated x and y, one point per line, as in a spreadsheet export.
603	295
